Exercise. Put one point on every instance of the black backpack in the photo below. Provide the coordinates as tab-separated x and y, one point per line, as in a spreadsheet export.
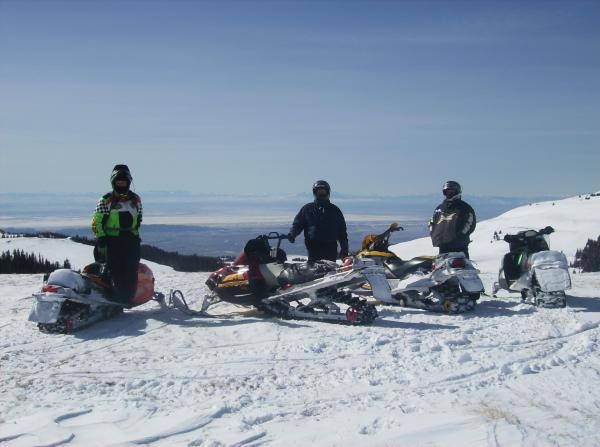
258	250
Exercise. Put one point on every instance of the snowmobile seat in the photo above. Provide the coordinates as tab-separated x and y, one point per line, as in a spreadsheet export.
259	251
398	268
98	275
305	272
69	279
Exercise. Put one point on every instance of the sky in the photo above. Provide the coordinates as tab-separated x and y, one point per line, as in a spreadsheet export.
377	97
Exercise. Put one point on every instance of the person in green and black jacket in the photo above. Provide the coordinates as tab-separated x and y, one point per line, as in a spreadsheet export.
116	225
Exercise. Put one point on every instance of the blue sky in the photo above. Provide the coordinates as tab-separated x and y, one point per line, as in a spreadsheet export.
376	97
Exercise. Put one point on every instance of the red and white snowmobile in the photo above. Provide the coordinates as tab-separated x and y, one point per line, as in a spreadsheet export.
321	290
70	300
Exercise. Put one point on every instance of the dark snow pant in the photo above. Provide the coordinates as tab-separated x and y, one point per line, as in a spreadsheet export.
123	258
318	250
455	248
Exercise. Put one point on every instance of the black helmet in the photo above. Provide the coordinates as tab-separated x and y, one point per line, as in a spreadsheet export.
321	184
452	189
120	172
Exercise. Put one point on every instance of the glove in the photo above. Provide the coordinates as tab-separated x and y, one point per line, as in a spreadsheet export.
291	238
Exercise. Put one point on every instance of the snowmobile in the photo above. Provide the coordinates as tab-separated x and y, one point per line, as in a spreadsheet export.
70	300
541	275
262	277
446	283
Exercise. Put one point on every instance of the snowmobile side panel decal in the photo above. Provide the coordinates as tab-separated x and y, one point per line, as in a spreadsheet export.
381	254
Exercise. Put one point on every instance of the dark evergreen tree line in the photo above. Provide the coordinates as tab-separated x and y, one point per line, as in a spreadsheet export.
588	259
181	263
20	262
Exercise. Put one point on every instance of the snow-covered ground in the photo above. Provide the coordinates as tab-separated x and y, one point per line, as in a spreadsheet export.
575	220
507	374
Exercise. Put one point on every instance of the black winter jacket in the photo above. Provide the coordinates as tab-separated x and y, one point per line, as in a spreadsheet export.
452	223
321	222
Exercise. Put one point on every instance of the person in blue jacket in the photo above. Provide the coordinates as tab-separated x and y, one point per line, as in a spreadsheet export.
323	224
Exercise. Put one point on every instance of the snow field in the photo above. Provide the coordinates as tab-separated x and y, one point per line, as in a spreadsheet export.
506	374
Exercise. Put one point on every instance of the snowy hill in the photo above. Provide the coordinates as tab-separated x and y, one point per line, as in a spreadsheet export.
57	250
507	374
575	220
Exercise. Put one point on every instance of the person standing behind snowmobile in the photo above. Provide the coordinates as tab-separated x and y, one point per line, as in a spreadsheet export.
116	224
453	221
323	224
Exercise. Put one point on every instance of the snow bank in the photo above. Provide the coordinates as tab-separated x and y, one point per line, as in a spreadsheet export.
575	220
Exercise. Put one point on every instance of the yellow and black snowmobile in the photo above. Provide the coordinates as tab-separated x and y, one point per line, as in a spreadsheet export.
445	283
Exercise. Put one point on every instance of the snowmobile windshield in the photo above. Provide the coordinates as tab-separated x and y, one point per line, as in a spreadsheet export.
539	242
546	238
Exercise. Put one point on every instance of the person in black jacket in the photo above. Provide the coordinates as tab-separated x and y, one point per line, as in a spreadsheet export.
323	224
453	221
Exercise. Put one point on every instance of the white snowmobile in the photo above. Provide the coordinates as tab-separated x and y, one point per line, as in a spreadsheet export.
70	300
445	283
262	278
539	274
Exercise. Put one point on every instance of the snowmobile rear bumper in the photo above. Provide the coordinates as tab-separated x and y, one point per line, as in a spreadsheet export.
46	309
552	279
470	281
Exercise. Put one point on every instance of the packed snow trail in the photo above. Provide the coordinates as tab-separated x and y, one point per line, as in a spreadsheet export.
506	374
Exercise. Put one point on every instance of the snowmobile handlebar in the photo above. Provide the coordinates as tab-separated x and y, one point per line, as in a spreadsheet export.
547	230
277	236
528	234
395	227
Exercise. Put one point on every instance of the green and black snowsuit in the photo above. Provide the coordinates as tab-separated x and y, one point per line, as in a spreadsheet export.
116	224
